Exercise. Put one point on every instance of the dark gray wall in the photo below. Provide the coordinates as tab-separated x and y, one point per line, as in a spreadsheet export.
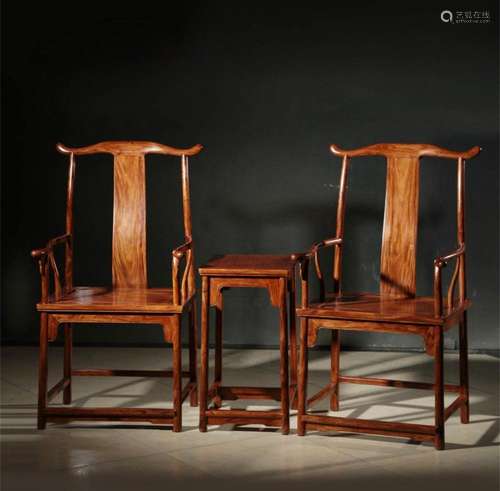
266	90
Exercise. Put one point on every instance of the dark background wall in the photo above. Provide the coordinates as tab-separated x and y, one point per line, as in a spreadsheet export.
266	89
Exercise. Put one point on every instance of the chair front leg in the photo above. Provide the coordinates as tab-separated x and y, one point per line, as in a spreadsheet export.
193	349
302	377
335	369
464	371
203	381
177	375
438	389
68	353
42	371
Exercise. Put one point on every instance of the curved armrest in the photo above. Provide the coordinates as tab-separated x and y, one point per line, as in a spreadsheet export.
439	263
181	289
442	261
180	251
302	258
35	253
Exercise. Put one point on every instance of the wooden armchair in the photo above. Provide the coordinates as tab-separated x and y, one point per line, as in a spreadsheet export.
128	300
396	308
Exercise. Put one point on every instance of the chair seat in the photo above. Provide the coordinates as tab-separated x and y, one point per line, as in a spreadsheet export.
379	308
107	299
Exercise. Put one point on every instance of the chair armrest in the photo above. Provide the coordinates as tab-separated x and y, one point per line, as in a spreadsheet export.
442	261
302	258
180	286
45	258
36	253
439	263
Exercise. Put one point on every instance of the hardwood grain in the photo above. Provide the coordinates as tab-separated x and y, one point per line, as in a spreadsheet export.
396	308
129	222
130	147
249	265
399	239
381	308
108	299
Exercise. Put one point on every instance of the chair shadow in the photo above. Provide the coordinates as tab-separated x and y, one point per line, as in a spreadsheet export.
398	399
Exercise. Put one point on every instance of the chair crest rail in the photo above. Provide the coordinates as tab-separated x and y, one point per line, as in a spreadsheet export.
414	149
130	147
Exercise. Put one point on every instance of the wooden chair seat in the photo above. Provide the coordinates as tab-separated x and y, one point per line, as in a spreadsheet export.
108	299
380	308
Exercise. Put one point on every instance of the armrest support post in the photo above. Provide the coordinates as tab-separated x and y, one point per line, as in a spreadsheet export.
439	263
46	262
182	288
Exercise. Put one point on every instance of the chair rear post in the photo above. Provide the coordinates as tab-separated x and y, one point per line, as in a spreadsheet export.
186	209
68	268
461	226
337	258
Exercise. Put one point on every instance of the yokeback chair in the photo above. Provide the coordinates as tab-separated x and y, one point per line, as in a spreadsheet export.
128	300
396	308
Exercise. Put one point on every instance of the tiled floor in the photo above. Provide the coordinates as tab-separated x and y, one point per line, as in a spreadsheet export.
81	456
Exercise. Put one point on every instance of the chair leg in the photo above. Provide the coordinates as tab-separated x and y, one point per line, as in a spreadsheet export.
335	369
302	380
177	375
218	354
464	371
293	344
193	364
68	352
285	393
438	389
42	371
203	382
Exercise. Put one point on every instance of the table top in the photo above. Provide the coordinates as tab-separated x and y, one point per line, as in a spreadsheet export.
249	265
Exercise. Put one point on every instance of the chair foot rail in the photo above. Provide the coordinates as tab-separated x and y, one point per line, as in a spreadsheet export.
387	428
104	372
395	383
110	414
59	387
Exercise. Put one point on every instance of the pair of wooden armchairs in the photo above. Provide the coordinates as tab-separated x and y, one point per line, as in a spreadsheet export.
129	300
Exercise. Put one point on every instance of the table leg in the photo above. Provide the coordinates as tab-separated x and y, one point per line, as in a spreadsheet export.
285	399
302	387
218	352
293	344
204	352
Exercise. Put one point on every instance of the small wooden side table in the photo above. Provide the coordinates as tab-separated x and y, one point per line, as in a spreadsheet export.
276	274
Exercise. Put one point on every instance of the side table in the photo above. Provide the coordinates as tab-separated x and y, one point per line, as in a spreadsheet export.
276	274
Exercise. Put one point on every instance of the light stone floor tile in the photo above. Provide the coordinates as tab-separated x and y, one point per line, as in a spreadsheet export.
83	455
